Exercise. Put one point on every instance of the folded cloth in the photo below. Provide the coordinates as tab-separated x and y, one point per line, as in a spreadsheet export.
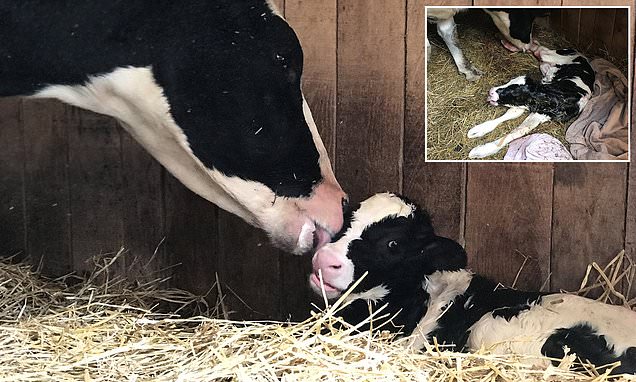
537	147
600	132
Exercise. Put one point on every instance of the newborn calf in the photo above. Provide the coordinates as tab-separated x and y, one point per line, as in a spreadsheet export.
422	278
561	95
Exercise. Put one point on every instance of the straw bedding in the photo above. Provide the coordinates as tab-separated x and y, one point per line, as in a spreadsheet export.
107	329
454	105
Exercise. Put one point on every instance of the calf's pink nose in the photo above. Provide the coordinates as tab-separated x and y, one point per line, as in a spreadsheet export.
326	261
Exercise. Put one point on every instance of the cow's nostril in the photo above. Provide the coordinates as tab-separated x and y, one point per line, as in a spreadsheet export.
335	266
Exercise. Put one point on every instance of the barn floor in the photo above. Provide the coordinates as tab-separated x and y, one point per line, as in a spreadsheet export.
454	105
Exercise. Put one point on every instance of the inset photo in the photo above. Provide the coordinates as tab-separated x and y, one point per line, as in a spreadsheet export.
528	84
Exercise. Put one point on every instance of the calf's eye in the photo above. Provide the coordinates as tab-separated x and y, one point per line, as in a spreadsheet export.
392	244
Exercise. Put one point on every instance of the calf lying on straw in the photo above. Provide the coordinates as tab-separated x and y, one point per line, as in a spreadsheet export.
561	95
422	279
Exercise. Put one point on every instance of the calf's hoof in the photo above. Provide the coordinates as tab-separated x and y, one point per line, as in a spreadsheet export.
481	130
483	151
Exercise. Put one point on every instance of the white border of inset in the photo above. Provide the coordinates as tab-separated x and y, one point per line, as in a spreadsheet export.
630	70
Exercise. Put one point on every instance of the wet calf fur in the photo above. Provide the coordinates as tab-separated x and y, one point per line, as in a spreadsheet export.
423	280
561	95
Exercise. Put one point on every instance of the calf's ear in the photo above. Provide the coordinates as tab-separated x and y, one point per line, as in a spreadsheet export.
443	254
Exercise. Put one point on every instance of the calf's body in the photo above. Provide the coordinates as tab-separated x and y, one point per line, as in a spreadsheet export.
422	280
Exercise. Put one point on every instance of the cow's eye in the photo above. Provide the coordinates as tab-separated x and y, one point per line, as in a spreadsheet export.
392	244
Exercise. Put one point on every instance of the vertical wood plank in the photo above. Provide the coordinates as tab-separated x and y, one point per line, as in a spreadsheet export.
48	218
630	223
94	168
142	213
586	29
250	268
554	20
603	28
588	218
191	226
492	3
508	215
619	47
12	229
571	23
370	96
443	199
315	25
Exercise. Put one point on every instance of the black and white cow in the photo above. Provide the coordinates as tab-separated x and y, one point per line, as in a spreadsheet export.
430	294
210	88
515	24
562	93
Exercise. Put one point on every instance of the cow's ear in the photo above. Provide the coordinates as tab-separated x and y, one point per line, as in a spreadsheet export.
442	254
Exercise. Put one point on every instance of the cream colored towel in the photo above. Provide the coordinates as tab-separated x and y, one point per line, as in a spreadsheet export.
600	132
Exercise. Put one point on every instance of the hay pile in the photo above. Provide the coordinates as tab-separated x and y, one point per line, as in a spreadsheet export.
105	329
454	105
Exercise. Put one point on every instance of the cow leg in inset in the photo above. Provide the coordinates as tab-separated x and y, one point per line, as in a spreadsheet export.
446	29
428	50
488	126
490	148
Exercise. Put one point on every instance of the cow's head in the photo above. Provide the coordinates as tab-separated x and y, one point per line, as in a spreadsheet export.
516	27
257	138
390	238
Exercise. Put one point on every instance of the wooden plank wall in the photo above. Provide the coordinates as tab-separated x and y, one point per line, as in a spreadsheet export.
73	184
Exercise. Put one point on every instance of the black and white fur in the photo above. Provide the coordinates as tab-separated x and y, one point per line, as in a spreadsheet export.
562	93
514	24
210	88
422	278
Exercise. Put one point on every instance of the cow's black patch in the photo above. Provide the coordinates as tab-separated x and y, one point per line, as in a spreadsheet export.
230	70
588	346
521	21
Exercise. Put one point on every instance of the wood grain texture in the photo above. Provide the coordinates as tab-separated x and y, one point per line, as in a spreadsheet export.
570	24
509	217
12	229
630	216
315	24
250	269
370	96
48	220
142	209
191	230
588	218
603	28
94	167
619	45
492	3
439	187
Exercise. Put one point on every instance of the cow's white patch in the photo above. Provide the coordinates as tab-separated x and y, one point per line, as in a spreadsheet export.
274	8
502	21
375	294
527	332
132	96
443	288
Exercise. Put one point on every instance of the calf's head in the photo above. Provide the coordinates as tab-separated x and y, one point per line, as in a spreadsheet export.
392	239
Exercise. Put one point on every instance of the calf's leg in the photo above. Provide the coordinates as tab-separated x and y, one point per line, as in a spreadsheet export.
488	126
446	29
491	148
